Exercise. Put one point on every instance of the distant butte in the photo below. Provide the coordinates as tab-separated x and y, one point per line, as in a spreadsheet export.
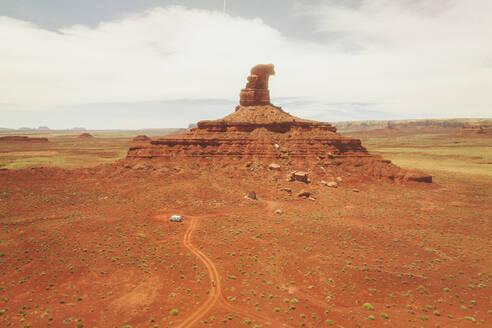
258	134
475	130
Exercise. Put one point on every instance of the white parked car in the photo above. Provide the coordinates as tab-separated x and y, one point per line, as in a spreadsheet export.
176	218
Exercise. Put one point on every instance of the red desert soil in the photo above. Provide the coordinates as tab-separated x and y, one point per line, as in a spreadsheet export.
95	248
89	246
22	139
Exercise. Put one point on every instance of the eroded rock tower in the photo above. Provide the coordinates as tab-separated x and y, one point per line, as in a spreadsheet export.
258	132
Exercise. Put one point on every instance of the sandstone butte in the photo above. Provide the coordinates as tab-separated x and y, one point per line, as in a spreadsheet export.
259	133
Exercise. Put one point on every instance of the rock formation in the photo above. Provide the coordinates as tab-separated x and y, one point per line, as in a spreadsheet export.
260	133
85	135
256	92
141	138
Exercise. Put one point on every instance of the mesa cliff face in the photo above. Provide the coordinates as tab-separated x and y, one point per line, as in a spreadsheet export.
254	131
258	132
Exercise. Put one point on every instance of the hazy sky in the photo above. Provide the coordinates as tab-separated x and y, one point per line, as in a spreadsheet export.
157	63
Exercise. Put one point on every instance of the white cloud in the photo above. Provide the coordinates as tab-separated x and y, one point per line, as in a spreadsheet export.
161	54
411	59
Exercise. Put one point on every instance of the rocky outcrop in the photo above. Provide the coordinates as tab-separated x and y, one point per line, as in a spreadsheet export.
22	139
299	176
85	135
263	133
256	92
141	138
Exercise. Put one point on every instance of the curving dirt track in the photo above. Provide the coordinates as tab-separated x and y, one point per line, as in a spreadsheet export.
215	296
215	292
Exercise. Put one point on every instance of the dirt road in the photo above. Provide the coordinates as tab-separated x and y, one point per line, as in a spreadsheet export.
215	297
213	274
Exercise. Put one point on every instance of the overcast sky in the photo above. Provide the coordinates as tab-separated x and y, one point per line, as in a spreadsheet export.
156	63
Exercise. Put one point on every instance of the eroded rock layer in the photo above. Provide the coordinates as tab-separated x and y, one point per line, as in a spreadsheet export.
255	131
265	134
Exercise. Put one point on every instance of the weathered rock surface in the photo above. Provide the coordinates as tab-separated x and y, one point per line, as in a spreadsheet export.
256	92
262	134
22	139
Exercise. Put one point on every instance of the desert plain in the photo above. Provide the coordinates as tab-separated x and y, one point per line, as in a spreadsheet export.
85	242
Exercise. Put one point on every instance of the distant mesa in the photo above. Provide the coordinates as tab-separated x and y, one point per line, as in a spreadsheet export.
141	138
22	139
258	134
475	130
43	128
85	135
418	126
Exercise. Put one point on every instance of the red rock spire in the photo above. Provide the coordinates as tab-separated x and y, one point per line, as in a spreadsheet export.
256	92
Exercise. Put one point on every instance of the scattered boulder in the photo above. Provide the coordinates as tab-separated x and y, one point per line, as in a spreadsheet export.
279	211
304	193
85	135
355	190
141	138
299	176
339	179
251	195
274	167
312	199
288	190
331	184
